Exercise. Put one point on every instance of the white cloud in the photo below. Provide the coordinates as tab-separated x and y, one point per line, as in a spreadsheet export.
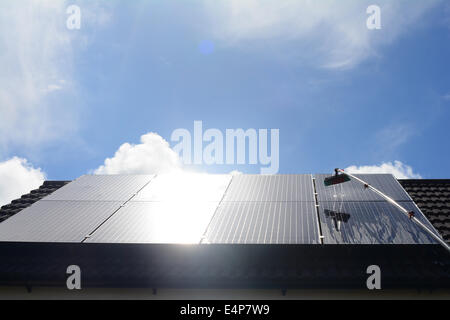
398	169
152	155
331	34
18	177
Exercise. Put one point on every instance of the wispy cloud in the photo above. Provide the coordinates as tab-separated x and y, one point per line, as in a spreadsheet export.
37	59
36	54
330	34
392	137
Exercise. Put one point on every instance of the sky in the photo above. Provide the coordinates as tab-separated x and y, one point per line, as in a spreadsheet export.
106	98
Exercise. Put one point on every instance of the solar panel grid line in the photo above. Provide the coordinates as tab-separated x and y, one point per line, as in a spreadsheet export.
261	225
243	227
284	225
237	220
121	206
222	231
204	236
276	222
216	230
235	225
253	222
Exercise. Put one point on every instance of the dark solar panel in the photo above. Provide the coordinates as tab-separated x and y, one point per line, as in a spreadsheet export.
355	191
101	188
264	222
371	223
293	187
57	221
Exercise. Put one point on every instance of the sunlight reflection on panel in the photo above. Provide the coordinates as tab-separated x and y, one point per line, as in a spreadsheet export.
185	187
157	222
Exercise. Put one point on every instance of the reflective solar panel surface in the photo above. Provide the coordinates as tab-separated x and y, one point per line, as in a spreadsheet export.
292	187
371	223
101	188
355	191
57	221
157	222
264	222
185	187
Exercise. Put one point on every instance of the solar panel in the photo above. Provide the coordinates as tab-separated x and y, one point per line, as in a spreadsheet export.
101	188
185	187
56	221
264	222
293	187
156	222
355	191
373	222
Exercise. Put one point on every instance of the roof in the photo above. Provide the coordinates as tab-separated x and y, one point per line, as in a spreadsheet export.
28	199
340	263
433	198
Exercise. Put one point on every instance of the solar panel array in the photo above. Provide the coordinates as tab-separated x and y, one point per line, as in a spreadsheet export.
203	208
74	211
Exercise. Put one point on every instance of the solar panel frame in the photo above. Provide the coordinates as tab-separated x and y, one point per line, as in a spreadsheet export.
355	191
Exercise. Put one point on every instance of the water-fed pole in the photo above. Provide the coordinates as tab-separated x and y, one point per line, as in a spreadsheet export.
345	176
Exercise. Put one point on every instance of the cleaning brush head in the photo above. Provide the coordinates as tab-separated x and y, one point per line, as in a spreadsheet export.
336	179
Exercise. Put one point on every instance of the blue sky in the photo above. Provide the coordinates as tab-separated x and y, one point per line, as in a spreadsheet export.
340	94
